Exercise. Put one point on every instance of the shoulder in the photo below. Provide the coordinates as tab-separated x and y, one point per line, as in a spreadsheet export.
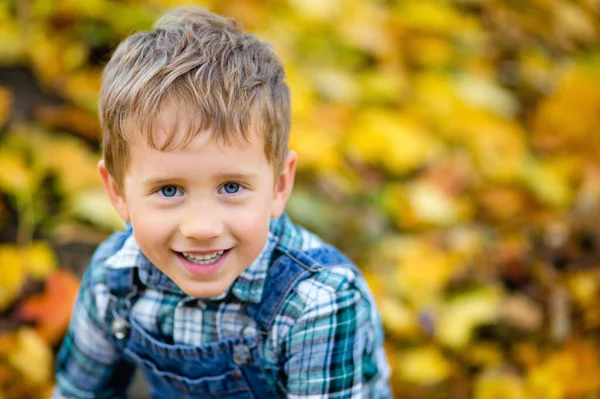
333	285
108	255
332	273
328	321
110	252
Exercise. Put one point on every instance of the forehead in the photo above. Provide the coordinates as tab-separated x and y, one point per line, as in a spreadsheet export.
175	127
173	145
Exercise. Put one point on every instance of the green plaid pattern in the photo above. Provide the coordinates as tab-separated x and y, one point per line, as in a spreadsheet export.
326	342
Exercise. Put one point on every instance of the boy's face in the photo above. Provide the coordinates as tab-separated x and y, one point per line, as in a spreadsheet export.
200	213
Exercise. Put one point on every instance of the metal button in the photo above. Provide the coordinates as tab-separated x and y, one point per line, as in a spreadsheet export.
120	327
241	354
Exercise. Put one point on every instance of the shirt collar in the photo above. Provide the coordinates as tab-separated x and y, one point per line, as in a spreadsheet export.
247	287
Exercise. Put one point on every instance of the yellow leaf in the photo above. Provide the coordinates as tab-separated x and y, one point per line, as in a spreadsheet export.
38	259
575	23
548	182
422	269
316	149
571	372
397	143
44	54
542	383
302	93
584	287
32	356
94	206
484	355
423	366
73	162
385	85
432	205
498	385
15	177
486	94
430	16
570	117
13	45
317	9
430	51
13	275
497	144
336	85
397	318
5	105
365	26
83	87
462	314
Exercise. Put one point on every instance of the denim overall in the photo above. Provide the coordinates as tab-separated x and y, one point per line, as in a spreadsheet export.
224	369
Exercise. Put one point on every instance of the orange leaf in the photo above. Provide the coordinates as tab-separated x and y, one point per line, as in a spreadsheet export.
51	310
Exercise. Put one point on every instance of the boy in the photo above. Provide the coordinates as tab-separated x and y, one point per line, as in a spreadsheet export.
211	290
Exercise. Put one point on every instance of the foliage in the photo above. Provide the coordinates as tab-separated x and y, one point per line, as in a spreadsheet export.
450	147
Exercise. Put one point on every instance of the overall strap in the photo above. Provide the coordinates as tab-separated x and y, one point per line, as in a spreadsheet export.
122	286
289	268
120	281
111	245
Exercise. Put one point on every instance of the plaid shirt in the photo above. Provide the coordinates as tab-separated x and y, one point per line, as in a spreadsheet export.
310	314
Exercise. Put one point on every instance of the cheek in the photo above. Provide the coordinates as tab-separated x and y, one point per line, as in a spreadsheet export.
149	224
251	224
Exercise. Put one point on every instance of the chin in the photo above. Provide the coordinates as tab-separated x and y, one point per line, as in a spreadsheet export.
202	291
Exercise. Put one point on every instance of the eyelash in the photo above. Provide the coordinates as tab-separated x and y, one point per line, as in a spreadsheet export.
159	191
240	187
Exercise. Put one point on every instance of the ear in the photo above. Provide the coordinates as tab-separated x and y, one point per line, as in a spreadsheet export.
284	184
113	191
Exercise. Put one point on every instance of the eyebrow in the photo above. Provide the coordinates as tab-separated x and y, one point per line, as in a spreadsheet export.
156	181
235	176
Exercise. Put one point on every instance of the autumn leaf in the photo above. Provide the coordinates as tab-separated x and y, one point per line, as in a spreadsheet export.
570	372
13	46
499	385
16	177
84	123
424	366
93	205
398	143
13	275
579	92
432	205
461	315
38	259
422	270
5	105
430	16
318	149
51	310
31	349
398	319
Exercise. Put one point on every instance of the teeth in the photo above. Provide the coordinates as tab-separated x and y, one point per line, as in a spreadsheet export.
203	259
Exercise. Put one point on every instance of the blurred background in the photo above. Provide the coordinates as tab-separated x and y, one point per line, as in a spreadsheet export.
450	147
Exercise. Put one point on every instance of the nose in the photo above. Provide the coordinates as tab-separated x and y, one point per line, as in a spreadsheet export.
201	222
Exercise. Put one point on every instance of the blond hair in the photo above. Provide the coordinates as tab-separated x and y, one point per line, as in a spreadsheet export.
217	77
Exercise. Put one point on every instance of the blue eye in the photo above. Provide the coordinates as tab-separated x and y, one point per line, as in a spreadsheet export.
231	188
169	191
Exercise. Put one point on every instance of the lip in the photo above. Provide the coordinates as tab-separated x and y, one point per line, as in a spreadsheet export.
203	270
202	253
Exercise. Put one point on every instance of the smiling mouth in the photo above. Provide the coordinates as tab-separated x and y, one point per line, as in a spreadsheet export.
204	259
